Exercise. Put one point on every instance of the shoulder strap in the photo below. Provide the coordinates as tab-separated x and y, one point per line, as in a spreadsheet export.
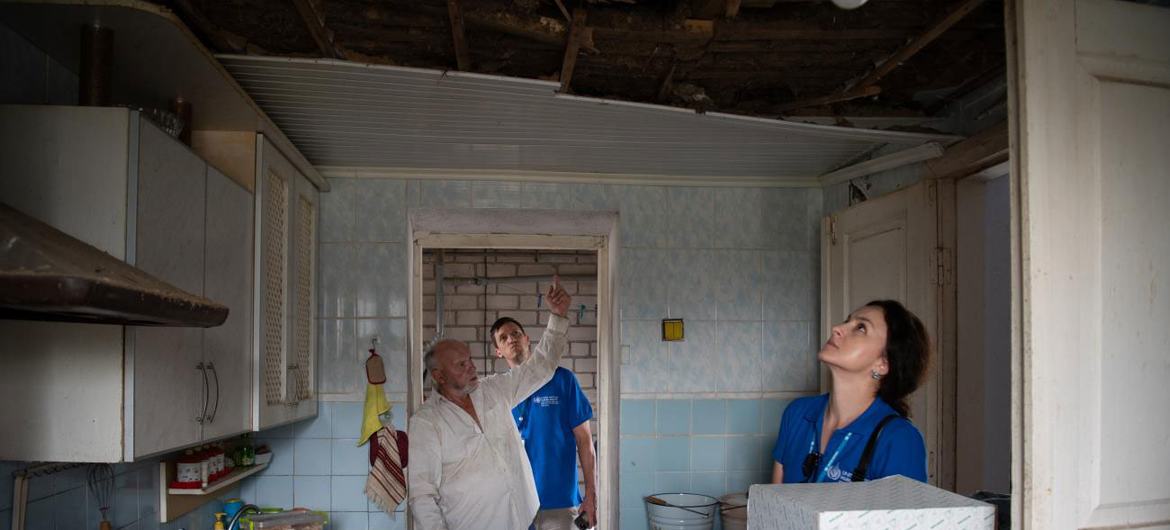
863	466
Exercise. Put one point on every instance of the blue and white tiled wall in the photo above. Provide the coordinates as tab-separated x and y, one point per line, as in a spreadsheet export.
316	464
62	501
708	446
740	265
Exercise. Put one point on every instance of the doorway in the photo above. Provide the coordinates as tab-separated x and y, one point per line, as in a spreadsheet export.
588	238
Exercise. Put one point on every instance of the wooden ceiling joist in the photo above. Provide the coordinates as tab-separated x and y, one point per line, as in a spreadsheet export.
221	39
459	36
315	23
906	52
572	49
825	100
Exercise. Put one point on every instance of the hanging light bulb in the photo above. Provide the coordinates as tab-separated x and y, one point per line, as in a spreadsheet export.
849	4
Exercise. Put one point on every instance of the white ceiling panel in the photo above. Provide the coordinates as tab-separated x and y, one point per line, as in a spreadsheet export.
351	115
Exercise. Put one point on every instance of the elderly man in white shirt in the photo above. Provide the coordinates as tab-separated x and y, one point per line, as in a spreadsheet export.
468	469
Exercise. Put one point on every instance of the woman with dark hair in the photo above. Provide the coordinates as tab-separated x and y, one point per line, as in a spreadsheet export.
860	430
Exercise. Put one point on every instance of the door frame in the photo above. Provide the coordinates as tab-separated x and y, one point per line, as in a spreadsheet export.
489	228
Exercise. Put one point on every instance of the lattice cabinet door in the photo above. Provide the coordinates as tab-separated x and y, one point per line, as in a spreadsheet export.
285	310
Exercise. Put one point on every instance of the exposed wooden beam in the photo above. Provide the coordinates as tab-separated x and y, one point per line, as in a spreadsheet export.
664	86
825	100
572	49
979	152
315	23
220	39
966	87
906	52
458	36
561	6
731	10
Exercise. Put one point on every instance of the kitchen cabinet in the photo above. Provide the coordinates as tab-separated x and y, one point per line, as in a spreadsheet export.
107	393
285	358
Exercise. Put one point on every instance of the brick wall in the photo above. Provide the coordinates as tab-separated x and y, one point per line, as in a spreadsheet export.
469	309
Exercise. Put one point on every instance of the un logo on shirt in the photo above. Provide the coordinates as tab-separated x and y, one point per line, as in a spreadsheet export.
547	401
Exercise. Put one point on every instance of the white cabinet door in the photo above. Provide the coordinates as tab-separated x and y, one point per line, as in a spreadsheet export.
227	349
881	249
302	373
1092	356
284	344
169	389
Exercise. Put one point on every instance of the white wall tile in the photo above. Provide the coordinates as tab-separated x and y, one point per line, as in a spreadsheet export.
443	193
643	283
335	294
379	280
789	357
644	216
738	293
690	214
491	194
337	211
738	347
337	357
691	284
380	211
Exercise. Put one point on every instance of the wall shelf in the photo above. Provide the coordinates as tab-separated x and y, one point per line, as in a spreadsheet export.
174	502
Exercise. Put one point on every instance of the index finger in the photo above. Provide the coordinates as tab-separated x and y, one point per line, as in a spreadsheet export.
556	281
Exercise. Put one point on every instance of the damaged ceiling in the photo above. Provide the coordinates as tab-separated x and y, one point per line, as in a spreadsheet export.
765	58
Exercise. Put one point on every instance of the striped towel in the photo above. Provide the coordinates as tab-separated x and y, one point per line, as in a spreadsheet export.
386	484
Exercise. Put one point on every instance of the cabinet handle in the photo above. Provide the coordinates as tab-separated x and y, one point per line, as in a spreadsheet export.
215	408
206	389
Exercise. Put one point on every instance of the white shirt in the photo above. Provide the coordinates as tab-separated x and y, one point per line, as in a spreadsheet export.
461	477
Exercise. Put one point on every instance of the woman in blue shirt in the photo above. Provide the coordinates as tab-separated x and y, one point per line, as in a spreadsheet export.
876	358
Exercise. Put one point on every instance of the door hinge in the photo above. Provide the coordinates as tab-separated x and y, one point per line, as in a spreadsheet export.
942	266
832	230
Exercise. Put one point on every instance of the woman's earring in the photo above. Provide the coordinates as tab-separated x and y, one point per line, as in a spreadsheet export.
874	375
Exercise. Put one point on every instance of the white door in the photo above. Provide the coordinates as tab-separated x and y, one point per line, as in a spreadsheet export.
884	249
1092	357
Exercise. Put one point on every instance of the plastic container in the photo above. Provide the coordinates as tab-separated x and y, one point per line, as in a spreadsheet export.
686	511
733	511
289	521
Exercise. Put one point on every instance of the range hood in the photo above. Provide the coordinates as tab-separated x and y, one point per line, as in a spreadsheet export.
46	274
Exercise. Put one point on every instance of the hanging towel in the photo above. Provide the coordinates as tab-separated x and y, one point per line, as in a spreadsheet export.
386	484
375	405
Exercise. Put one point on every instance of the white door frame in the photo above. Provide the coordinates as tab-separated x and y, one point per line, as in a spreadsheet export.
532	229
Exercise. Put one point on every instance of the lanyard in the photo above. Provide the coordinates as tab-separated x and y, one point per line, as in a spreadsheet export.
833	459
812	446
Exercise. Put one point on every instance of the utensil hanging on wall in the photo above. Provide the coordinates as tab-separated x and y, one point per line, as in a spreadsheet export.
101	487
375	369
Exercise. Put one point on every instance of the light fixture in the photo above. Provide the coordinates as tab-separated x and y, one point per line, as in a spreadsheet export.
849	4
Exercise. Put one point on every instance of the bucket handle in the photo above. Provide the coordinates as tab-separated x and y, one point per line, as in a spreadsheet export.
655	500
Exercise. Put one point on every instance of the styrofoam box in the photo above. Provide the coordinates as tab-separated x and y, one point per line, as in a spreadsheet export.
891	502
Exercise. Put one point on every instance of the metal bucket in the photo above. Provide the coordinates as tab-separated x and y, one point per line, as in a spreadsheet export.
733	511
686	511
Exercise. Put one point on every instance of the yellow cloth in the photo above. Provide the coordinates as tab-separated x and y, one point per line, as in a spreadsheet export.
375	405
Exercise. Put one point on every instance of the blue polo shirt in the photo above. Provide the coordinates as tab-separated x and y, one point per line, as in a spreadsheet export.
546	421
900	449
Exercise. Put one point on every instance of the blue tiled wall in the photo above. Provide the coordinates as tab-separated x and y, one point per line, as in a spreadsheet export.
707	446
317	465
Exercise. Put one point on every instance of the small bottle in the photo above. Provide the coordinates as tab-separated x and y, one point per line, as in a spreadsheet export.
219	520
204	464
248	452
